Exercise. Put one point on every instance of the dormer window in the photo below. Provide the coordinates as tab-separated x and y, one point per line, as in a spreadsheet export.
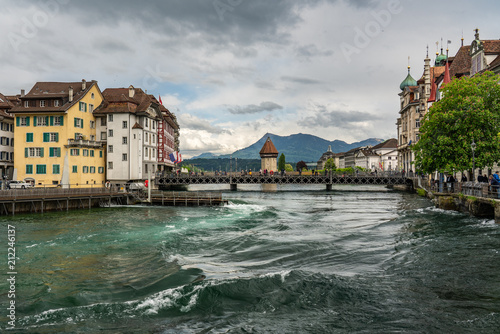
42	103
56	103
26	104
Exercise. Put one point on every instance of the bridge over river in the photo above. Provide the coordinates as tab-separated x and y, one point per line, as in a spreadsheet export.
328	180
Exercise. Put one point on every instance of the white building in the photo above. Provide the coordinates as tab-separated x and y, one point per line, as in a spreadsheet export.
128	123
388	153
6	138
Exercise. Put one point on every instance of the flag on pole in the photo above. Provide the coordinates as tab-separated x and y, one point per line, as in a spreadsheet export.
172	157
160	99
178	157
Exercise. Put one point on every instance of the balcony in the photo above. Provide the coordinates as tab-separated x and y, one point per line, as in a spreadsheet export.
84	143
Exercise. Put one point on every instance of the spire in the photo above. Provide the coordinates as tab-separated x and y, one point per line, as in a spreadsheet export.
432	98
476	35
446	78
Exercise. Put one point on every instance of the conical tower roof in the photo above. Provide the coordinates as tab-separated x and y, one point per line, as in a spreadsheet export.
268	148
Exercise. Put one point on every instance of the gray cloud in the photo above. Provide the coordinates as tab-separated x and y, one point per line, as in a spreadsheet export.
304	81
325	118
192	122
311	50
253	109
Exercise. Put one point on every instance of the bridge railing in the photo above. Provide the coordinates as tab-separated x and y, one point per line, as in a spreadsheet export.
279	174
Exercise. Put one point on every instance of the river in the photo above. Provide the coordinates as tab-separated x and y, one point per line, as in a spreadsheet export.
358	259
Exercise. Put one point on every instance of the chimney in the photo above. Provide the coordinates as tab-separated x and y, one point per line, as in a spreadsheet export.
131	91
23	93
70	93
84	84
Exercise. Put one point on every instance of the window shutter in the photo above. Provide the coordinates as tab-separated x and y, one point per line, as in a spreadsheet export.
61	120
34	120
27	121
26	152
41	152
85	107
18	121
51	121
59	152
51	151
75	121
46	137
82	123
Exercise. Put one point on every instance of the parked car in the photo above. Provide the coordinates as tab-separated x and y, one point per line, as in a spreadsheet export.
19	185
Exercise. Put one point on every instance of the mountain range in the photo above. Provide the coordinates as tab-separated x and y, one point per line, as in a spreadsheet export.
296	147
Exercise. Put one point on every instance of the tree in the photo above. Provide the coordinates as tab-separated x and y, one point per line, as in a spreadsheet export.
288	168
330	164
281	162
469	110
301	165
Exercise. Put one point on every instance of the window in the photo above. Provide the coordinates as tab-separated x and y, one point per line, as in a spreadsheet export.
110	133
54	152
78	136
85	152
103	135
124	124
58	120
91	107
50	137
33	152
110	118
56	103
146	153
110	164
41	121
26	104
41	169
85	169
146	122
74	151
75	169
92	137
92	169
92	96
124	140
100	154
124	157
83	106
100	170
55	169
42	103
23	121
91	153
78	123
110	148
29	169
29	137
92	124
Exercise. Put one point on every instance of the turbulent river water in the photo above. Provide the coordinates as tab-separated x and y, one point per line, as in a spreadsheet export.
358	259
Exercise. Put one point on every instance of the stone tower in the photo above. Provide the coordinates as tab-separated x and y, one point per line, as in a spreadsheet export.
269	156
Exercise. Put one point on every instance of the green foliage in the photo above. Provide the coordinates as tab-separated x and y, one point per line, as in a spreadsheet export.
348	170
330	164
301	165
281	162
421	192
288	168
469	110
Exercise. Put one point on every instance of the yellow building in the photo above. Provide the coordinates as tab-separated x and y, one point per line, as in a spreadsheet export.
55	135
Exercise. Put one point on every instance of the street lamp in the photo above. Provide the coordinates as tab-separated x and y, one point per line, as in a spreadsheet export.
473	148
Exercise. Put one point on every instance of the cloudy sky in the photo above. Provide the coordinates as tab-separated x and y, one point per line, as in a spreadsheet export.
234	70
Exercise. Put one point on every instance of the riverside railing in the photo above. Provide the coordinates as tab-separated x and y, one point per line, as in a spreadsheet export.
476	189
53	191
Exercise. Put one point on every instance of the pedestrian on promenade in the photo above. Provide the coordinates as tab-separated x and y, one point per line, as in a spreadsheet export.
494	185
496	176
464	178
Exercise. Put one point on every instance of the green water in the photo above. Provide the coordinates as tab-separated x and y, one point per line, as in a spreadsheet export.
355	260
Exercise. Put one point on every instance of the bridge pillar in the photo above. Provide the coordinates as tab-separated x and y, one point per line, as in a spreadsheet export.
328	187
234	187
